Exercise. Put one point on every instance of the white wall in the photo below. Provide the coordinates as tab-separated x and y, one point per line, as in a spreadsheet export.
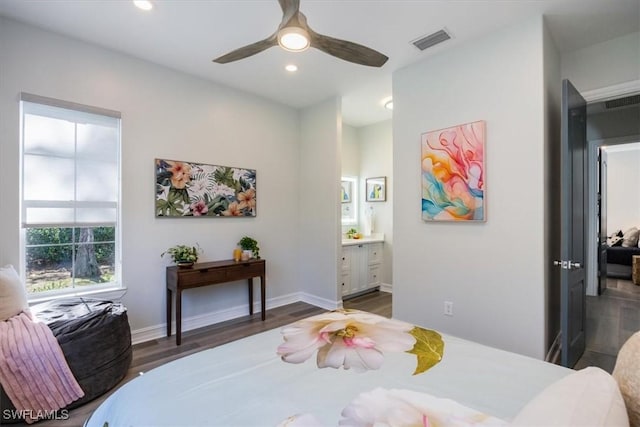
493	272
553	95
319	225
376	159
350	151
604	64
165	114
623	189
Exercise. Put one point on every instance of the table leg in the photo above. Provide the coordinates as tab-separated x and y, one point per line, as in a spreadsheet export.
250	280
263	285
169	295
178	317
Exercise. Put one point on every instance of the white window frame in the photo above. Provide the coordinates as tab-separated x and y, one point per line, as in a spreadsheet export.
112	289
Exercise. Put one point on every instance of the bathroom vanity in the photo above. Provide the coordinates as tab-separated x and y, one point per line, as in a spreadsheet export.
361	268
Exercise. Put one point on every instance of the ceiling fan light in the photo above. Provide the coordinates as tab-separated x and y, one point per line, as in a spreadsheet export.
143	4
293	39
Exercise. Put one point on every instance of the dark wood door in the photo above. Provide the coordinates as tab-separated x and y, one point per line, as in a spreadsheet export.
573	224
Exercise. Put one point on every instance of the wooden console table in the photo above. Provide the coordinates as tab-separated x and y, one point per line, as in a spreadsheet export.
211	273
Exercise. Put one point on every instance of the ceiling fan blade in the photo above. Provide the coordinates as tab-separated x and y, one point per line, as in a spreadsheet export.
248	50
289	6
349	51
290	9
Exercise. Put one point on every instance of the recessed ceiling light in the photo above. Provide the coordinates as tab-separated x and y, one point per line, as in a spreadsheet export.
291	68
143	4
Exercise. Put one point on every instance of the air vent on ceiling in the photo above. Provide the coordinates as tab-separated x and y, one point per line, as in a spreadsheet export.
622	102
431	40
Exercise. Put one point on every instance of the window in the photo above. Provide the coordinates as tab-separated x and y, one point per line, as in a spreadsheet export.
70	196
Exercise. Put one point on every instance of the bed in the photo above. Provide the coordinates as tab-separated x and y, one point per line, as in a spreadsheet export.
249	383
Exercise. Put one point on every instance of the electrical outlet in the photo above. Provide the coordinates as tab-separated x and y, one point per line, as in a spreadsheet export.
448	308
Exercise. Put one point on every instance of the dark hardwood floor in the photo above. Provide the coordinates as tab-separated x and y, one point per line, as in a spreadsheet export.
151	354
611	319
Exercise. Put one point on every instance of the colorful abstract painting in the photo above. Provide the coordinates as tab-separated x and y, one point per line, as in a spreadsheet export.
453	173
194	189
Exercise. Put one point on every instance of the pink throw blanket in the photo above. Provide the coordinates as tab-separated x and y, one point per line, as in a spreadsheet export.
33	371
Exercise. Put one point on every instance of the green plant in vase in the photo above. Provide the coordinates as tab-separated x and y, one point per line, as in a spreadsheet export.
249	244
183	255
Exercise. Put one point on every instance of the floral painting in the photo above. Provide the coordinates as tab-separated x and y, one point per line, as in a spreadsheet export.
453	173
194	189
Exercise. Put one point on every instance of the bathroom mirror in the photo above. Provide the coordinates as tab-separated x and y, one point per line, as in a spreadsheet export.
349	200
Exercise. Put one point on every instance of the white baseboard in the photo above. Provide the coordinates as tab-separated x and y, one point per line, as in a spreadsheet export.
386	287
188	323
320	302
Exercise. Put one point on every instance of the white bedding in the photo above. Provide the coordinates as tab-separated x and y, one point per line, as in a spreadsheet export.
245	383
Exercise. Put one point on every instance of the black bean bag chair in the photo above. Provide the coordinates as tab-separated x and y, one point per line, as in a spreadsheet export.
96	340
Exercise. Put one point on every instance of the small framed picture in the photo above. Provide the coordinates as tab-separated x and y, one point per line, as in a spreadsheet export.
376	189
346	192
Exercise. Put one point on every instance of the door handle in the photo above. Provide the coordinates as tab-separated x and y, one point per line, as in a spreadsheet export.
567	265
562	264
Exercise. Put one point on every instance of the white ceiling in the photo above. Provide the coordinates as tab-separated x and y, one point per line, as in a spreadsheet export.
187	34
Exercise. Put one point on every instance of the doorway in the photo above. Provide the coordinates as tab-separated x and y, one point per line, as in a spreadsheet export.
608	130
611	317
619	216
575	257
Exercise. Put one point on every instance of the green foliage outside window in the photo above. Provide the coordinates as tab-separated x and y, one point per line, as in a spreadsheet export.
52	246
60	258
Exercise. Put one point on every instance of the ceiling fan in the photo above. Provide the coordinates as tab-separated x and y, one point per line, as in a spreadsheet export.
293	34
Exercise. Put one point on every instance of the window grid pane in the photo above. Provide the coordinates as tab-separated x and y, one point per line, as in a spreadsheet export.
70	191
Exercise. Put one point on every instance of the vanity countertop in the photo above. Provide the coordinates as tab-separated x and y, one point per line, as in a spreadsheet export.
374	238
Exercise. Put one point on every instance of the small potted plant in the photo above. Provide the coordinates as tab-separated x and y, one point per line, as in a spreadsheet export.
352	233
183	255
249	244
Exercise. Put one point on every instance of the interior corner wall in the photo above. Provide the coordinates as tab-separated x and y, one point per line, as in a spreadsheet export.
493	272
376	159
604	64
552	105
165	114
319	207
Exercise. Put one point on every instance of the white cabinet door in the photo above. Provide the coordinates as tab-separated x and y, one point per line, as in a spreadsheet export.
346	258
350	270
374	276
345	283
374	253
361	267
374	268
